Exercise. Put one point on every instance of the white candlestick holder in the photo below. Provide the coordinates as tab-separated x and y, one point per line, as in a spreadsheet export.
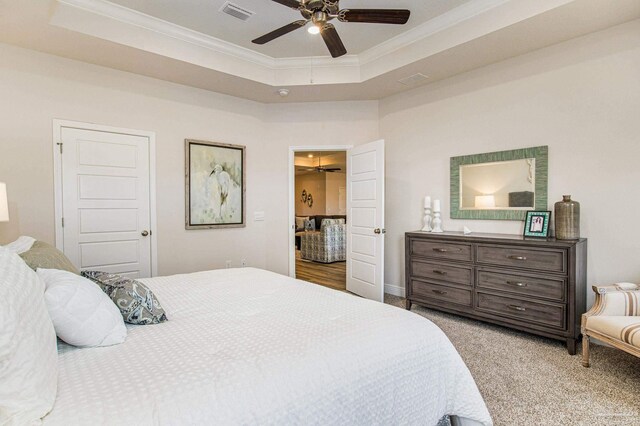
437	223
427	220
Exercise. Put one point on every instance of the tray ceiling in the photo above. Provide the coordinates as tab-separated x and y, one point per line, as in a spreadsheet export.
205	17
190	42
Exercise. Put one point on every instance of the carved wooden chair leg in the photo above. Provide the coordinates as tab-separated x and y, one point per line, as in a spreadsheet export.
585	350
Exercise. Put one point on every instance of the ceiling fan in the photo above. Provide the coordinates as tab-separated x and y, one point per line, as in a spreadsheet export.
320	12
323	169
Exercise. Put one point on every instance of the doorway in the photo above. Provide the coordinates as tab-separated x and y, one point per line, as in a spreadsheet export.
318	209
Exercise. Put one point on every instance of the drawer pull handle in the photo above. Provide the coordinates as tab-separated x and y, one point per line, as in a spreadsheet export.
517	308
435	271
517	283
442	250
514	257
439	292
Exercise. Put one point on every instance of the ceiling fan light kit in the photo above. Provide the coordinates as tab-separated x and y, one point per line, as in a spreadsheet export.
320	12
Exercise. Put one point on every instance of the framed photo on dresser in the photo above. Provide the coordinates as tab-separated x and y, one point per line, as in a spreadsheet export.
536	224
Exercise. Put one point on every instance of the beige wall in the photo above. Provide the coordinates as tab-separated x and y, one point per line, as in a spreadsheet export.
316	185
335	181
581	98
36	88
325	188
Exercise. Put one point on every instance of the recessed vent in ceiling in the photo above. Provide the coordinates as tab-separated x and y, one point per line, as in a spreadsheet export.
414	79
236	11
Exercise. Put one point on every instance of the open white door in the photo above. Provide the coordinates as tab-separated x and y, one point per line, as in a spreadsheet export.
365	220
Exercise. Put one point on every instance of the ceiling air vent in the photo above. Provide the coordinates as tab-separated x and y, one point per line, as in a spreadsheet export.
236	11
414	79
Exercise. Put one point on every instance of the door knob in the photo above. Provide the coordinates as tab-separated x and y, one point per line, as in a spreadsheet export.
145	233
379	231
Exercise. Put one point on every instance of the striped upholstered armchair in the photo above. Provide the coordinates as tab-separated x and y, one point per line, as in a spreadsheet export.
327	245
613	319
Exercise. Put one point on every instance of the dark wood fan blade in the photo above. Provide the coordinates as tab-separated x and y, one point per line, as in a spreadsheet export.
332	40
375	16
280	32
333	169
294	4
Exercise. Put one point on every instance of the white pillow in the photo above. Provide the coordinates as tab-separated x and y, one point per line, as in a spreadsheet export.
82	314
28	352
21	245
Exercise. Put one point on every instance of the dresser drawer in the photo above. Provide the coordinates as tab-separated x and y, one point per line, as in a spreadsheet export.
549	314
441	250
549	260
536	286
442	272
429	291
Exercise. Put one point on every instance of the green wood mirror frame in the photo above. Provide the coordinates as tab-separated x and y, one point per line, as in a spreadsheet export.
541	156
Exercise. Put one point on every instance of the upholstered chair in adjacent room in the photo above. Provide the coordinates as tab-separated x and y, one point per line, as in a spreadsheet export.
327	245
613	319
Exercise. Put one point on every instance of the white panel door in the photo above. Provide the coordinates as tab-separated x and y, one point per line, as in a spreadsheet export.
105	201
365	220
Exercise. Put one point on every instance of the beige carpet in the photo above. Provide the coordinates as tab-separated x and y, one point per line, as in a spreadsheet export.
529	380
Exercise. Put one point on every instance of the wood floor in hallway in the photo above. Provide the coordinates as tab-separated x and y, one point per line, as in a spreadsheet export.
332	275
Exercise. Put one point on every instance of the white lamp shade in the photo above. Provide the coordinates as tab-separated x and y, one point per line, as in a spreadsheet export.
485	202
4	204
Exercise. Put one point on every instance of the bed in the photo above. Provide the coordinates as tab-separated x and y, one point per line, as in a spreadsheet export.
241	346
248	346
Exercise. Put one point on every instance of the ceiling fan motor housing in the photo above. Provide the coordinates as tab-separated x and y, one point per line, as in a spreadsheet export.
311	7
319	18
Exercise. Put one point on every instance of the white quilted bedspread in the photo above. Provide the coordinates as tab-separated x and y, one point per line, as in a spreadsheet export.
247	346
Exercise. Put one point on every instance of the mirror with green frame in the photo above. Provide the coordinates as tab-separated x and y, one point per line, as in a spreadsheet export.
499	185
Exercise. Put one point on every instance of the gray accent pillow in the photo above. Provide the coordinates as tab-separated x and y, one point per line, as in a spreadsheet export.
45	256
137	304
310	225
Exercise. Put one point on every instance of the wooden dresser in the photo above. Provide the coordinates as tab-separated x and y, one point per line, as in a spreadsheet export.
538	286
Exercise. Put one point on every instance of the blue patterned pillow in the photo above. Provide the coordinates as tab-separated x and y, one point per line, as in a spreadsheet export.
310	225
137	304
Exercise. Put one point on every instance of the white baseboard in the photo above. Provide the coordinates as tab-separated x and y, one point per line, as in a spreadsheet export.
394	290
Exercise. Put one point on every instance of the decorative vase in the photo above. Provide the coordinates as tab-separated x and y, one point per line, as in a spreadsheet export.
567	217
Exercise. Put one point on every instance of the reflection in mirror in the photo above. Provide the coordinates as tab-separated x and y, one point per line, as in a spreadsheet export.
499	185
504	185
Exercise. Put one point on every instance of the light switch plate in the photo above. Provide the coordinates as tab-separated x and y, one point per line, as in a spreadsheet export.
258	216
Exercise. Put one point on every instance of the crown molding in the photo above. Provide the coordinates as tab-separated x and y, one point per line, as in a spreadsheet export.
439	23
141	20
133	17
